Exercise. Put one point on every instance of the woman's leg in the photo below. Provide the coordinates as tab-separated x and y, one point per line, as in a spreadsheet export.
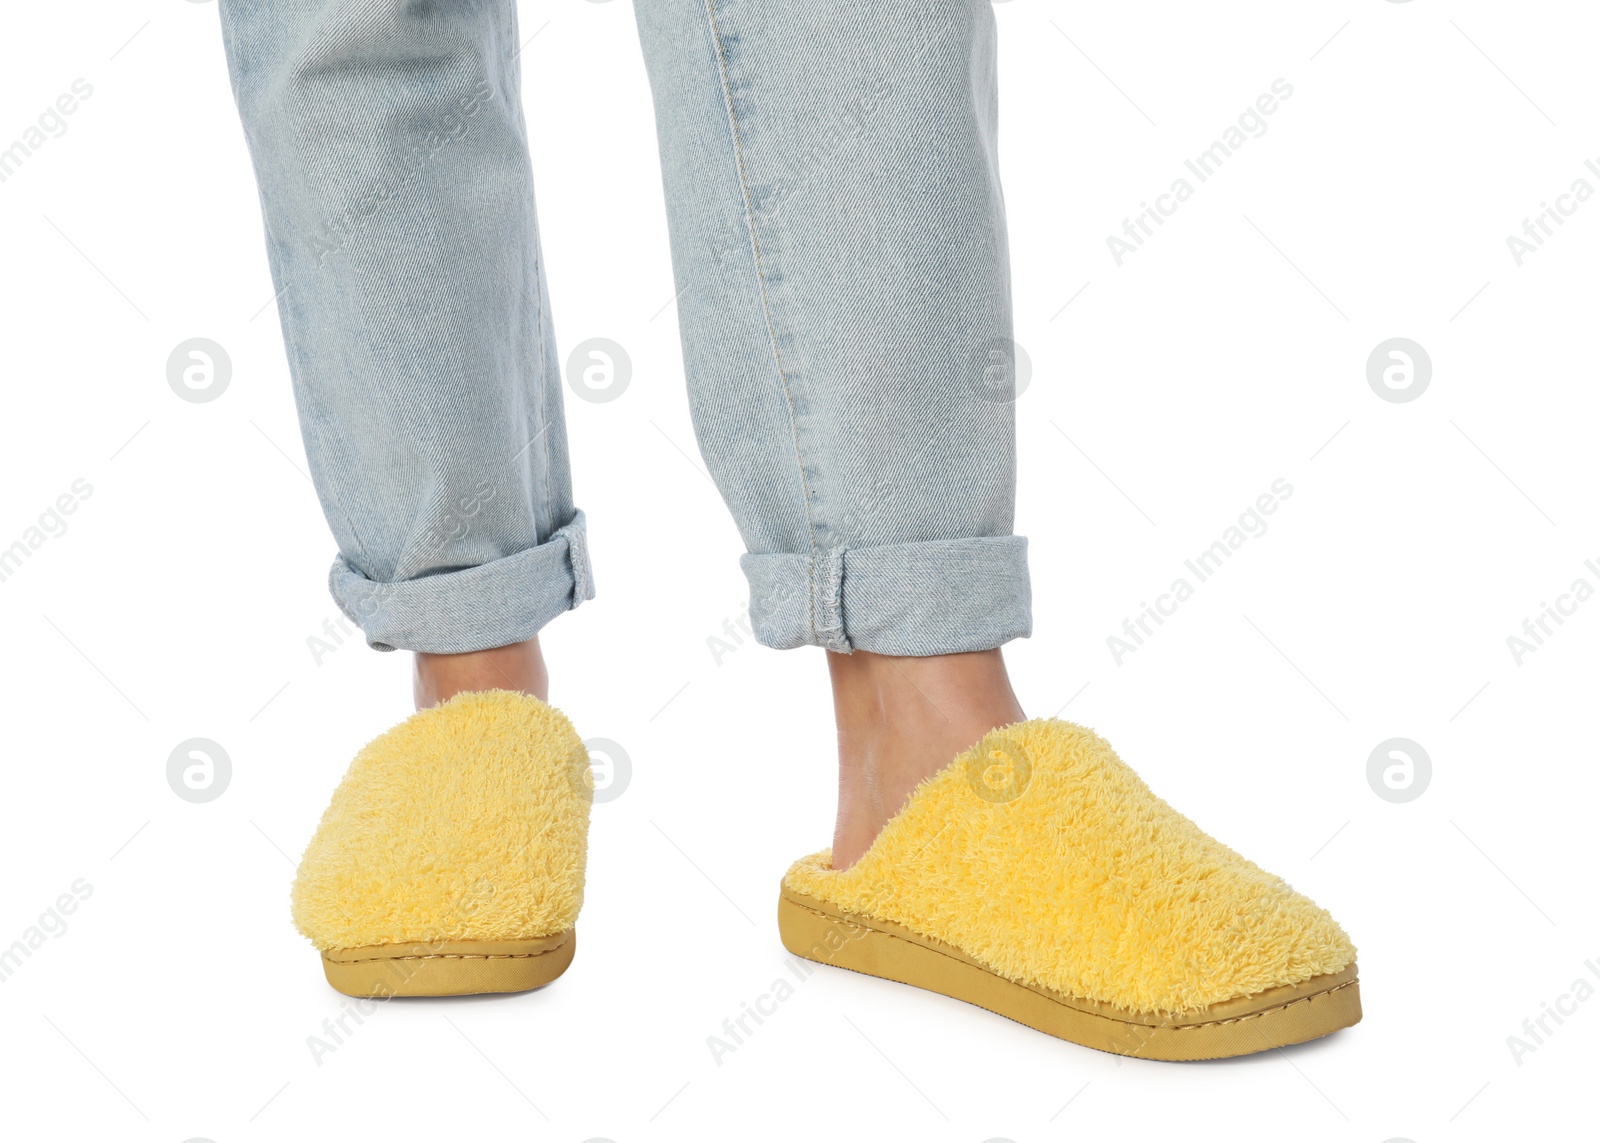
841	262
839	241
395	185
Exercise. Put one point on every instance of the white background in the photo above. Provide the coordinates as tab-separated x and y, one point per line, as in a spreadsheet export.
1171	392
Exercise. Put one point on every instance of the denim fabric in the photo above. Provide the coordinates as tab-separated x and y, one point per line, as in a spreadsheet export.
838	239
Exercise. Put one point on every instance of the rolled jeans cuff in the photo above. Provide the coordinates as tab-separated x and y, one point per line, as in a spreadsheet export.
938	597
491	605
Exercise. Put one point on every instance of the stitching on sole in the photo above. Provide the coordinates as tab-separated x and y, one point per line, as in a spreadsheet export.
449	956
1044	995
1264	1012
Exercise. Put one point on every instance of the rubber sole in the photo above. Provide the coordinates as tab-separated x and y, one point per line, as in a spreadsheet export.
819	931
449	968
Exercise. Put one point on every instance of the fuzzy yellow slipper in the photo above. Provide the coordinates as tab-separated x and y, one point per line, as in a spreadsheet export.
1038	876
451	858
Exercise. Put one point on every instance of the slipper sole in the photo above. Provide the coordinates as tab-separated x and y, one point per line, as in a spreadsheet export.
449	968
820	931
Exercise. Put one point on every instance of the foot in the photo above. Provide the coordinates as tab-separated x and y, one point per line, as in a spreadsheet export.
1037	876
901	720
451	857
518	667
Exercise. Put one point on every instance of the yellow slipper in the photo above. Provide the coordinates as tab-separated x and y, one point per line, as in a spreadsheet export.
1037	876
451	858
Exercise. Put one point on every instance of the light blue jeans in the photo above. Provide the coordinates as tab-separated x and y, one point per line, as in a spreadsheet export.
838	239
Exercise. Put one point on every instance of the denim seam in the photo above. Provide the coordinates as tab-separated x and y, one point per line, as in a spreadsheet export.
766	305
832	589
538	317
577	562
511	86
544	373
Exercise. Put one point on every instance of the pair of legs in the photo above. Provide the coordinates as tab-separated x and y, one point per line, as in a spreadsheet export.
839	245
900	718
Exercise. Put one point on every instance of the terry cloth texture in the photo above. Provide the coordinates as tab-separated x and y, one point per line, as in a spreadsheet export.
467	822
1043	855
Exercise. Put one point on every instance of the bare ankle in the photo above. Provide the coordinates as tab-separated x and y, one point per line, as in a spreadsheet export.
517	667
902	720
